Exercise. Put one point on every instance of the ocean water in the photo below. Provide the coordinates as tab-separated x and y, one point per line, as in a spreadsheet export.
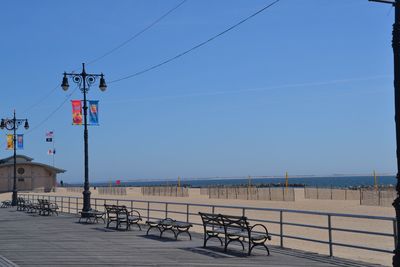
334	181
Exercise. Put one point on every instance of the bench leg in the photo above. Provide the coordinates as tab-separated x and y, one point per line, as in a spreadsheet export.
187	231
151	227
165	229
231	240
258	244
207	237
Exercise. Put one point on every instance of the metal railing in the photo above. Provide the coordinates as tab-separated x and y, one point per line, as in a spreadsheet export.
73	205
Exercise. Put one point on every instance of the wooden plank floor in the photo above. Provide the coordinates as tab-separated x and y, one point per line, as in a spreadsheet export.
33	240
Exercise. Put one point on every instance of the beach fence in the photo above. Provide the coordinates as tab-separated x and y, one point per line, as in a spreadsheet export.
331	193
75	189
378	197
334	233
165	191
367	196
116	191
251	193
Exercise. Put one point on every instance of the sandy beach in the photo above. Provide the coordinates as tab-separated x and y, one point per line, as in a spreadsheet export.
332	206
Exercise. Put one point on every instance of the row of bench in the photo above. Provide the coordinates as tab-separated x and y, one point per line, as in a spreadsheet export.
42	206
225	228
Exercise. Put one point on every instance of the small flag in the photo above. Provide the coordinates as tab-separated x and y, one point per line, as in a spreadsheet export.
10	142
51	152
49	139
93	112
20	141
49	134
76	112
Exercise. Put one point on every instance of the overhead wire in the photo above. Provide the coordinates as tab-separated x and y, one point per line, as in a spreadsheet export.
54	111
194	47
137	34
159	19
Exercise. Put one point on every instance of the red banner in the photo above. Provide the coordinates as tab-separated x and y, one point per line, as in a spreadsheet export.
76	112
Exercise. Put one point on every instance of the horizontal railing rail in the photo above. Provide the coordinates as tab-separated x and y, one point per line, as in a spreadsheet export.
73	205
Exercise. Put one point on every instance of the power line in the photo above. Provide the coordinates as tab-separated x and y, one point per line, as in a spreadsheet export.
194	47
54	111
40	101
137	34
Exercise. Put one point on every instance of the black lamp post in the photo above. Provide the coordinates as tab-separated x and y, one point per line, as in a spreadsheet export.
396	60
84	81
12	125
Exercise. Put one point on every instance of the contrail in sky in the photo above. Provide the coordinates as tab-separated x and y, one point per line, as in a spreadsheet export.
257	89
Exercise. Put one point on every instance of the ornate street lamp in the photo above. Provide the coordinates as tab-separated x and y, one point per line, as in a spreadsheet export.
396	61
12	125
84	81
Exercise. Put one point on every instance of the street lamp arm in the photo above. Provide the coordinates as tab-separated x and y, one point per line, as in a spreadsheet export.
384	1
71	74
10	125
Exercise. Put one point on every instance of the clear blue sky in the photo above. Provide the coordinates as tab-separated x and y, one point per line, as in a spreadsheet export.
304	87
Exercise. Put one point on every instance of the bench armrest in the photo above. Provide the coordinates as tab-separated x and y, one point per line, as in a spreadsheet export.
261	226
135	213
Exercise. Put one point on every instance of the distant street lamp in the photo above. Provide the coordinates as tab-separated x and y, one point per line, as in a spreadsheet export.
12	125
84	81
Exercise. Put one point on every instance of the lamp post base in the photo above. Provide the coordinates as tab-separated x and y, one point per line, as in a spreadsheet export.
14	201
86	201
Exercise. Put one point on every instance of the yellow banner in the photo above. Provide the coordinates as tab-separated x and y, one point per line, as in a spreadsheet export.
10	143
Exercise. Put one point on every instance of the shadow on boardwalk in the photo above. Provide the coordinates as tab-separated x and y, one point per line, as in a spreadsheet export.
32	240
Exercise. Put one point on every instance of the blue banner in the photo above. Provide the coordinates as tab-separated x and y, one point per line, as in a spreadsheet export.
93	112
20	141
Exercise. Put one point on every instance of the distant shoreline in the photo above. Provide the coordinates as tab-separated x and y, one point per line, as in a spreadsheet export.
322	181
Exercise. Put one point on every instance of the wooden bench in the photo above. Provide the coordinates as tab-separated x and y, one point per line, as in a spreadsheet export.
168	224
234	228
6	204
21	203
46	208
92	216
120	215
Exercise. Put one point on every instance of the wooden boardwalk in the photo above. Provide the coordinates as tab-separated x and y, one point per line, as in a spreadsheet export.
33	240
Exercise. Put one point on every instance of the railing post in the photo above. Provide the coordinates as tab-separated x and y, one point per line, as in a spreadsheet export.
69	204
281	226
187	213
166	210
131	205
213	209
77	209
243	212
62	203
148	210
330	235
395	232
